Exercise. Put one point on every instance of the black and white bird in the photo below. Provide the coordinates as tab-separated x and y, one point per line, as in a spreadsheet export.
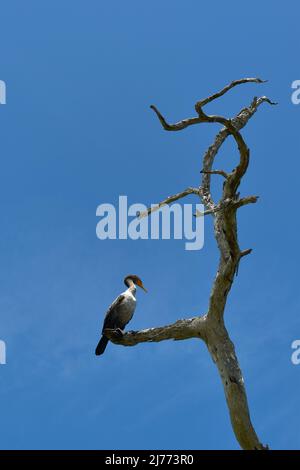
121	311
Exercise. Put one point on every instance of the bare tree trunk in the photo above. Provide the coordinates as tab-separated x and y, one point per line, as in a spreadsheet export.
210	327
223	354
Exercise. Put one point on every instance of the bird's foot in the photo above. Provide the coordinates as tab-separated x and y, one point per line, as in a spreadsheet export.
118	332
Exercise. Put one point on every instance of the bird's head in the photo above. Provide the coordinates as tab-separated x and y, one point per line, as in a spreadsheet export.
132	278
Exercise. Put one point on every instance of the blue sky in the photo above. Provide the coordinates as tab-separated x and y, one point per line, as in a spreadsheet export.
76	132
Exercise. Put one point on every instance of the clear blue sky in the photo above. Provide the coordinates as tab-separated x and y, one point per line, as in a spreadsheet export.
77	131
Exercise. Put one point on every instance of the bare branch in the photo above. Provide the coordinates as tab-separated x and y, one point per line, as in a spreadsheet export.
207	212
223	204
246	252
169	200
203	102
178	126
263	99
181	329
216	172
238	122
246	200
234	179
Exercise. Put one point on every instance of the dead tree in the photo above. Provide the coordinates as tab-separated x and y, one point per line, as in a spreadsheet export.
210	327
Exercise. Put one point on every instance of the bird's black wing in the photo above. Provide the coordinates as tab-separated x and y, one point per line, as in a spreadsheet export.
112	313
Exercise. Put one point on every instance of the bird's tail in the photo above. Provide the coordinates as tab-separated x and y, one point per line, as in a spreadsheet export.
101	346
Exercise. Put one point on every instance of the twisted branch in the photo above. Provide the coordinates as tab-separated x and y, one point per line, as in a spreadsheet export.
202	103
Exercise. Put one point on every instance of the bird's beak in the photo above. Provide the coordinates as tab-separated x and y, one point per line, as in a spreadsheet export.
144	288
